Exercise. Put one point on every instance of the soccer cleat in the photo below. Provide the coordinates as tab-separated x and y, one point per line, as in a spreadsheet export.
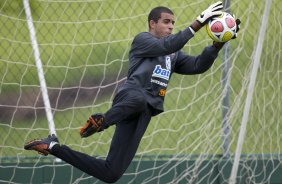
42	146
93	125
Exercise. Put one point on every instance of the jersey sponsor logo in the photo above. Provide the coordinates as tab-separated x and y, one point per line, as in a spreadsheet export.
161	72
159	82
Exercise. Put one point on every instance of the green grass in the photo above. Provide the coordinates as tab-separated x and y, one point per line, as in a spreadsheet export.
86	45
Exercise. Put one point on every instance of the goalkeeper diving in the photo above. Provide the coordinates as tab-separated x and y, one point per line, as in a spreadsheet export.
153	57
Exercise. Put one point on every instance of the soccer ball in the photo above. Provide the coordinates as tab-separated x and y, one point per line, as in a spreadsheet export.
221	28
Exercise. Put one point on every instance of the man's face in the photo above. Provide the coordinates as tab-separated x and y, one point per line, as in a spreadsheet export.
163	27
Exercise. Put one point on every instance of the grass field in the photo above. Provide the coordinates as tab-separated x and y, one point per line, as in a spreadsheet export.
84	49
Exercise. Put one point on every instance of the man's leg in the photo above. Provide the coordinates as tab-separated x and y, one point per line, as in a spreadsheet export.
125	142
126	104
132	115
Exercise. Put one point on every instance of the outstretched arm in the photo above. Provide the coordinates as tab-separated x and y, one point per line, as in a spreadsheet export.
201	63
189	65
146	45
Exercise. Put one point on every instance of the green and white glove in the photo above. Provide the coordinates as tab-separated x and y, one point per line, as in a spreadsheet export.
238	22
212	11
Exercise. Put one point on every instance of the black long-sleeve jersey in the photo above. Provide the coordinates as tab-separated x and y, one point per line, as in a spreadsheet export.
153	60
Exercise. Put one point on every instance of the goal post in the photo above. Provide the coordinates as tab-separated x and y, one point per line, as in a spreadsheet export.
63	60
40	71
251	87
226	92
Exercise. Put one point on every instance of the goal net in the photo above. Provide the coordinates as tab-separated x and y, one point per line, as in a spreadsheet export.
83	48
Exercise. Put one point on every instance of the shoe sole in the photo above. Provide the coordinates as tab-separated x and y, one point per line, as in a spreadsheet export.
36	145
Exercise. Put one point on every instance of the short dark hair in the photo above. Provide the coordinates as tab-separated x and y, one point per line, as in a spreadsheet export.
155	13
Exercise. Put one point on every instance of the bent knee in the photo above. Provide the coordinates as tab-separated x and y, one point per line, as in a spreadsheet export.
113	177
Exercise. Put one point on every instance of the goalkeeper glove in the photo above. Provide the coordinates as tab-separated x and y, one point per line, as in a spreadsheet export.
212	11
238	22
94	124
